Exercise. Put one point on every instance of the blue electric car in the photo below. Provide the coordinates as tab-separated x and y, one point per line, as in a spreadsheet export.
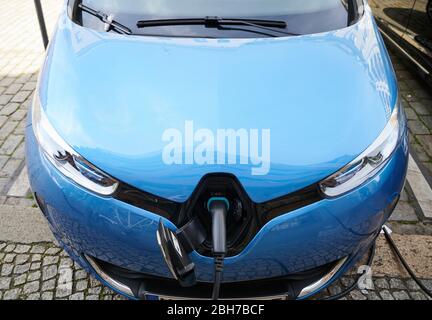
216	148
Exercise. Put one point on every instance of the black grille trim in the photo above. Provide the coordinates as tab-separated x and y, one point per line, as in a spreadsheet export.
258	213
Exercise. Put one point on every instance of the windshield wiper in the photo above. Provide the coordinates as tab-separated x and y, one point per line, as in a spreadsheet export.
110	23
217	22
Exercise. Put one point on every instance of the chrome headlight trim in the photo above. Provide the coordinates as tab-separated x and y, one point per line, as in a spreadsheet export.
65	159
369	162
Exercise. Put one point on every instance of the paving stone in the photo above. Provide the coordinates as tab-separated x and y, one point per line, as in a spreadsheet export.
66	262
47	296
77	296
346	282
37	249
31	287
9	248
9	109
19	280
420	108
10	168
49	272
11	143
426	142
386	295
33	296
12	294
420	151
50	260
36	275
22	258
35	266
6	82
107	290
357	295
52	251
418	295
94	282
6	269
401	295
335	289
427	283
5	98
21	96
410	114
19	269
427	120
92	297
36	258
9	257
80	274
14	88
381	283
397	284
417	127
2	246
5	283
63	291
404	212
372	296
81	285
411	285
22	248
49	285
96	290
18	115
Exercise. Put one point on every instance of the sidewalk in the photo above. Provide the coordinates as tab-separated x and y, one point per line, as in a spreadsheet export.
33	267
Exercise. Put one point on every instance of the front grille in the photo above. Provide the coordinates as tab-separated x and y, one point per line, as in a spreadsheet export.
141	285
245	219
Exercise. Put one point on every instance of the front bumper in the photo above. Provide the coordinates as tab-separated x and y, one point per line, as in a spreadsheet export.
304	239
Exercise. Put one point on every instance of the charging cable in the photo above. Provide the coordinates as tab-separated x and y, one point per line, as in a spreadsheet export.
395	249
218	208
404	263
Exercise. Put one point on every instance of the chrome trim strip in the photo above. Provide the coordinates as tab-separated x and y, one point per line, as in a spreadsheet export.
404	52
114	283
321	282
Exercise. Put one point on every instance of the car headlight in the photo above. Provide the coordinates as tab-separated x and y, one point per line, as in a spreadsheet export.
65	159
367	164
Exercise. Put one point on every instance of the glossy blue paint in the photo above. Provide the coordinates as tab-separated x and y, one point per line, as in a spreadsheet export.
306	238
325	98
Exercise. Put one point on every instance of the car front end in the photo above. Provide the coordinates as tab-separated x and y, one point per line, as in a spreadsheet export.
124	135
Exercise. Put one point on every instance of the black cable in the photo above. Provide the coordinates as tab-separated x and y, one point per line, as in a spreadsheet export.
219	262
372	254
404	263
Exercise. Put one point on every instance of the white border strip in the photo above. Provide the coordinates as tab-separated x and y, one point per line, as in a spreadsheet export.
420	187
21	186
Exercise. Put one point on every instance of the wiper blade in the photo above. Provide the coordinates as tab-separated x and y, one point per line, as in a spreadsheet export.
110	23
217	22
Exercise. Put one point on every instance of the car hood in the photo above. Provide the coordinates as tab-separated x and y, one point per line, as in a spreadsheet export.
116	100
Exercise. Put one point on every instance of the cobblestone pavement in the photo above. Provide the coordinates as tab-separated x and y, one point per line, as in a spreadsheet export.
417	99
42	270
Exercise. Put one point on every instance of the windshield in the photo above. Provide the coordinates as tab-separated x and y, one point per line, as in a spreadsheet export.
301	16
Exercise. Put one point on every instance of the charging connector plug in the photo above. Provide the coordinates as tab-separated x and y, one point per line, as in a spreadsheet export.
218	208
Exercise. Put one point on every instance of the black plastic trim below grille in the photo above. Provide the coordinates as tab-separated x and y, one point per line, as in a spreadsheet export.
289	286
257	214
